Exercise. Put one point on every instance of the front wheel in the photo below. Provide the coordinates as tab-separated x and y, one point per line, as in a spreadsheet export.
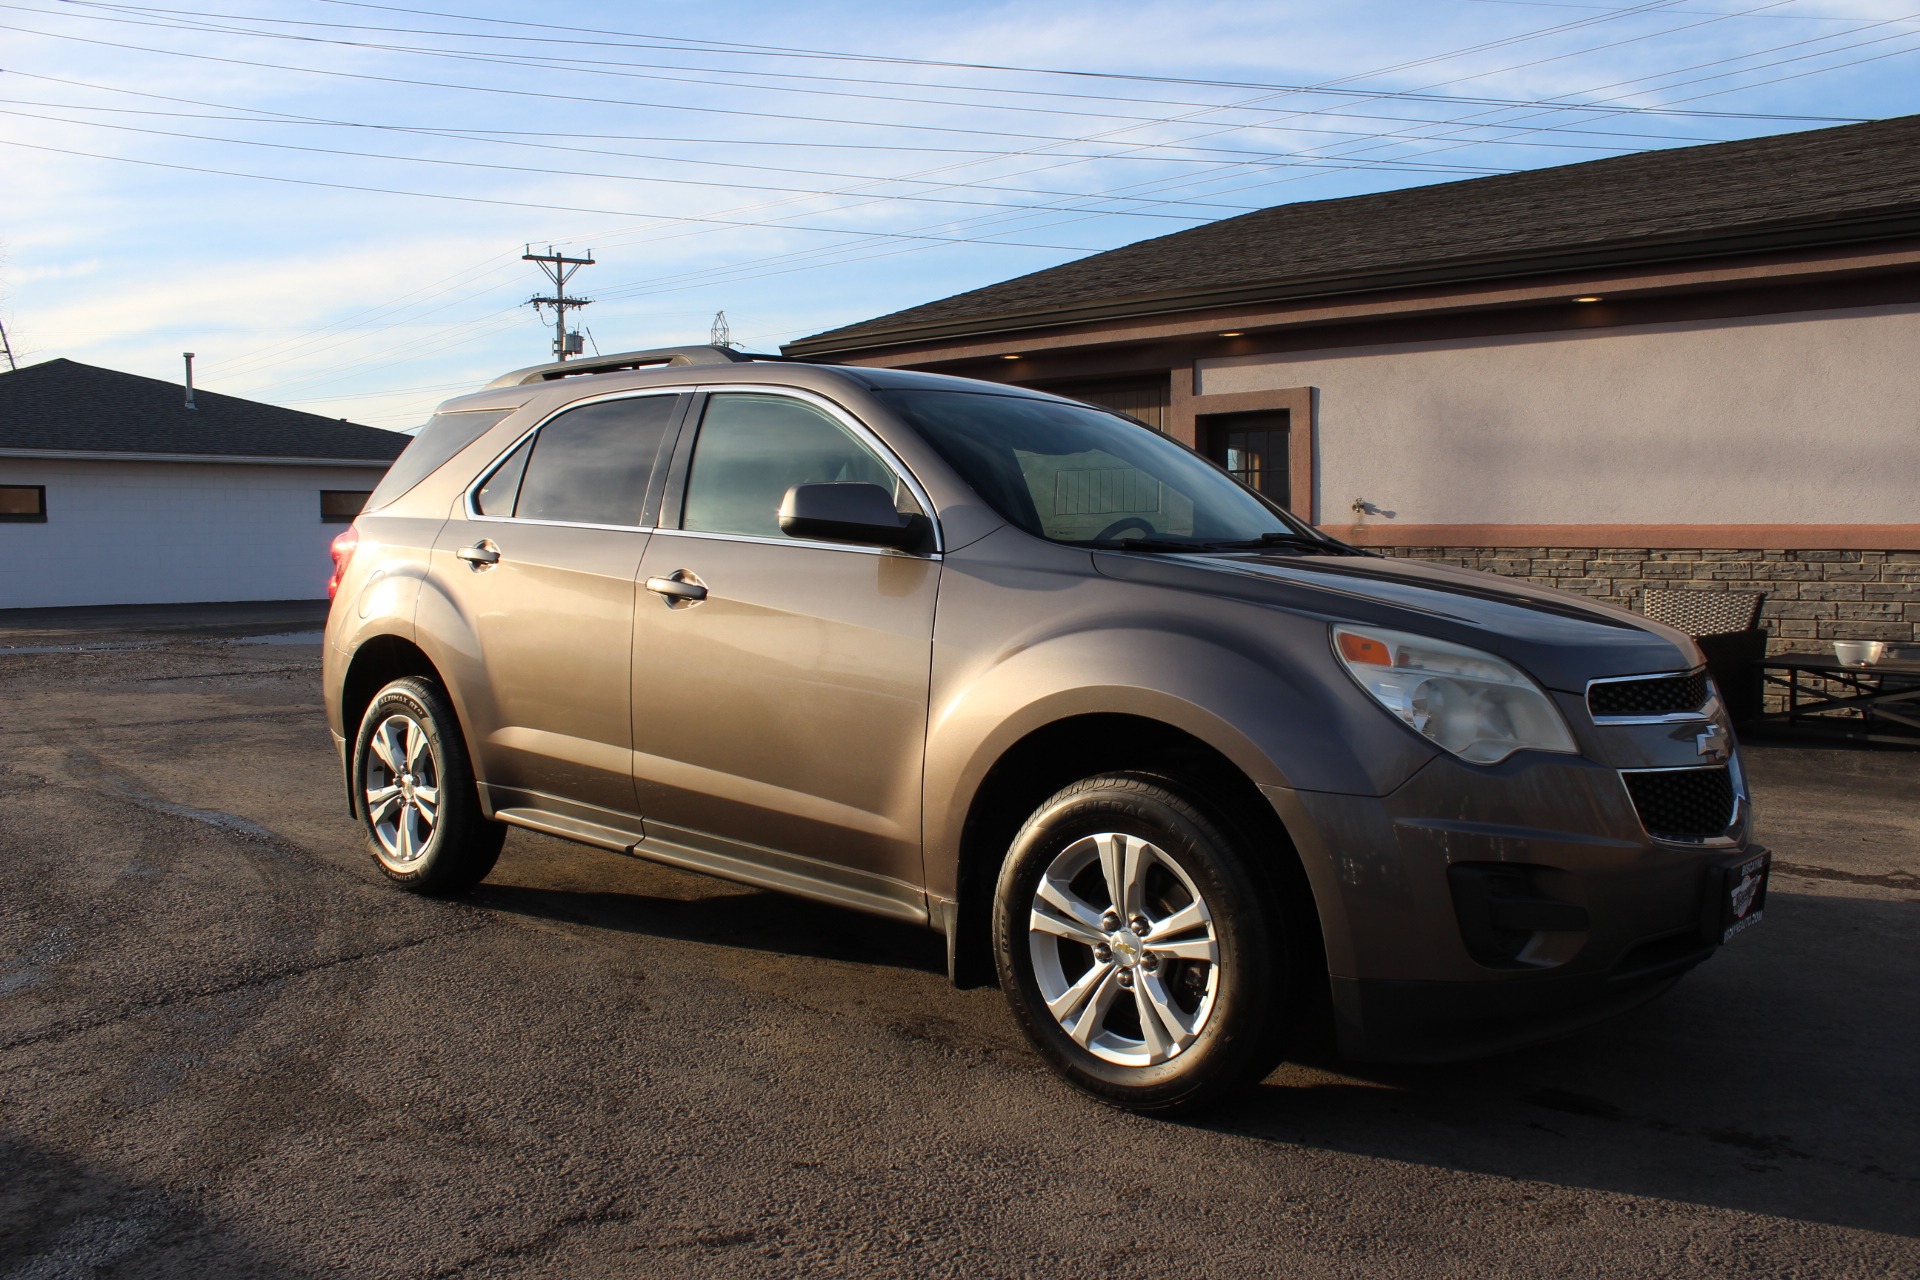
1142	953
414	792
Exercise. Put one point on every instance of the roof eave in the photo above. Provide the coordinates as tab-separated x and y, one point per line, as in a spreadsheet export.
108	455
1888	224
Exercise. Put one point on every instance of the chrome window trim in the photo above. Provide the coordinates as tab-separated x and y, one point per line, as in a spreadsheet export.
861	431
854	547
486	473
1735	774
1705	711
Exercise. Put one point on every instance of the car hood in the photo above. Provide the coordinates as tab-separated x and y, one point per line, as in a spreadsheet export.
1561	639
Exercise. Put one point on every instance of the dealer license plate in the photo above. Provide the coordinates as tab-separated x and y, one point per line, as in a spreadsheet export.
1743	894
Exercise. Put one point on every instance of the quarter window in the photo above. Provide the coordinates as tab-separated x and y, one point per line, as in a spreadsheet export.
753	448
23	503
503	486
590	465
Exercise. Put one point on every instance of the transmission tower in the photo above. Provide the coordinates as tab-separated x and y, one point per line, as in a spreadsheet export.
7	347
720	335
559	269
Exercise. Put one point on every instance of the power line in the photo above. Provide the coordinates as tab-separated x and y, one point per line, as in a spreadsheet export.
526	204
742	49
1369	94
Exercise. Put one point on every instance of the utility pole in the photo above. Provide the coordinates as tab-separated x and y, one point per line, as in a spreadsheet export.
559	268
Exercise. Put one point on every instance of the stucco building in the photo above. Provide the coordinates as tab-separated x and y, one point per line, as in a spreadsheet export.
113	491
1693	367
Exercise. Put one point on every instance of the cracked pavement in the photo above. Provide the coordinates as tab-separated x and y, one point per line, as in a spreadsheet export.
228	1048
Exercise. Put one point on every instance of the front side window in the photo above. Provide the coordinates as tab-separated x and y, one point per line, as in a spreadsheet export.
753	447
589	465
23	503
1074	474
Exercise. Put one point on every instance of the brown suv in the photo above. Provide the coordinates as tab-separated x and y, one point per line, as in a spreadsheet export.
1188	776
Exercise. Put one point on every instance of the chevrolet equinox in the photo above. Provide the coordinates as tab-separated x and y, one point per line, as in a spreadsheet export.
1186	777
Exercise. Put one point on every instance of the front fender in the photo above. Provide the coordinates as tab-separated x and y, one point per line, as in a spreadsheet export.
1023	641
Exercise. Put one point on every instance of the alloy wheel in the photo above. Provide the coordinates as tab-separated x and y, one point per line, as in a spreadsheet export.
1124	949
402	789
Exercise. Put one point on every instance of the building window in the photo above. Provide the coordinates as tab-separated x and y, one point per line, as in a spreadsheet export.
339	506
23	503
1253	448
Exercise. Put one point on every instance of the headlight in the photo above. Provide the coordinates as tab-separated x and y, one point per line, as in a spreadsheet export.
1479	707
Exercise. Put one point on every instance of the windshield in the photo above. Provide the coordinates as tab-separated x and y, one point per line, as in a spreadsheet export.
1085	477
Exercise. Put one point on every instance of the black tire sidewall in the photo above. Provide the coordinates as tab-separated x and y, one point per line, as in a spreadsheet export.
1244	1033
463	845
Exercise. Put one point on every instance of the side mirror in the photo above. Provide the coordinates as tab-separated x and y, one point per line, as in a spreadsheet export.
862	513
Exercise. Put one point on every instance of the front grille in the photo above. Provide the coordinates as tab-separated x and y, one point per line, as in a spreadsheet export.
1651	696
1682	804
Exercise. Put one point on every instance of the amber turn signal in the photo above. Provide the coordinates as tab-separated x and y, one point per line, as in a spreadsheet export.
1364	649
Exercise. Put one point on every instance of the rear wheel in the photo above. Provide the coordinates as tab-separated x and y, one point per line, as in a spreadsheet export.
414	792
1142	954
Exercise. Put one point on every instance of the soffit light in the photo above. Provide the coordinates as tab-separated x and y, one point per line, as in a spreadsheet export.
1231	333
1590	297
1009	357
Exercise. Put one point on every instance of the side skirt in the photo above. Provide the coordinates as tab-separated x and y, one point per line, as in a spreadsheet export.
712	855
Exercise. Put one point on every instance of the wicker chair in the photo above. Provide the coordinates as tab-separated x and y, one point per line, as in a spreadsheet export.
1726	625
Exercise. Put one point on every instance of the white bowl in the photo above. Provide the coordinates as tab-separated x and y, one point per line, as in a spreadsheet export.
1858	653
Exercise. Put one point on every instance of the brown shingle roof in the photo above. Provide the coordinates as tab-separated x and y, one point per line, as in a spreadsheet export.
1827	186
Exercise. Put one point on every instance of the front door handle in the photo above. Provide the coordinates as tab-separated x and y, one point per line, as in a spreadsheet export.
680	587
480	554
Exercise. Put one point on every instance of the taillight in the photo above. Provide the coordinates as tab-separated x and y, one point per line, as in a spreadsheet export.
342	552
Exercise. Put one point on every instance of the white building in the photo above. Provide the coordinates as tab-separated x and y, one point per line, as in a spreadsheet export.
113	491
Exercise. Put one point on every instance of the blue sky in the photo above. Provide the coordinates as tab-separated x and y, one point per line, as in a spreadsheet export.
326	200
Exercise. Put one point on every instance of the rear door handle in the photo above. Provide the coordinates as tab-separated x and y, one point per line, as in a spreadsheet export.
679	588
480	554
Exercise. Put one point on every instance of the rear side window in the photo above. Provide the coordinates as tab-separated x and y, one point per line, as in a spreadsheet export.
753	448
590	465
444	435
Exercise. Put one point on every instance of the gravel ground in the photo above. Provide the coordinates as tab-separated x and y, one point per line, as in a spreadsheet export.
227	1048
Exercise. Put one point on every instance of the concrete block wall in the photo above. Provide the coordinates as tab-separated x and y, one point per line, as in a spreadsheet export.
1812	597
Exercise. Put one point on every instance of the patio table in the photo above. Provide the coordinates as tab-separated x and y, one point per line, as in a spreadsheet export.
1876	702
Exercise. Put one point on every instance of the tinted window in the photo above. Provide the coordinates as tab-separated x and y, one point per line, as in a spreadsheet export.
503	486
753	448
444	435
591	465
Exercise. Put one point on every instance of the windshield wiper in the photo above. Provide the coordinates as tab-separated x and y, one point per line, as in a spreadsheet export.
1280	540
1142	544
1274	539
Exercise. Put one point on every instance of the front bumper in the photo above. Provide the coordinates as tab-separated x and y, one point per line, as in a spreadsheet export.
1602	916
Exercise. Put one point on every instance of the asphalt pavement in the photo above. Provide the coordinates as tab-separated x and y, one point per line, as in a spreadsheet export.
228	1048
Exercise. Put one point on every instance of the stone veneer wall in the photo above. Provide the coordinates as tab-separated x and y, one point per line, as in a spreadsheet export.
1812	596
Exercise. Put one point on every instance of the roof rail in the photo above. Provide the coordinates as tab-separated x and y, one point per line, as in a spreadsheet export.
661	357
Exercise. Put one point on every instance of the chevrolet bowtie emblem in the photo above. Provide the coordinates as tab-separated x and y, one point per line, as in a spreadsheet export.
1712	745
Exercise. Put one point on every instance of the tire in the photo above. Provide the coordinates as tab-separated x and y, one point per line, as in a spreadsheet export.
414	794
1198	891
